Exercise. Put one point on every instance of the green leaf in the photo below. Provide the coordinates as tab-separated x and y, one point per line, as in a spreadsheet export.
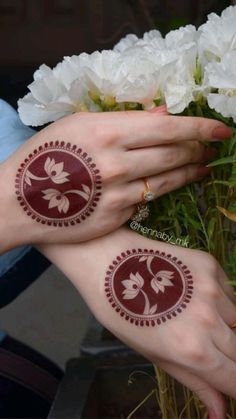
220	182
224	160
211	227
199	111
232	144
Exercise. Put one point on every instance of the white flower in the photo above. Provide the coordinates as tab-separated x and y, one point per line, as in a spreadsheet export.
161	280
222	76
146	75
56	199
55	171
140	83
217	36
160	69
102	72
180	87
54	94
132	286
182	36
152	35
127	77
125	43
45	101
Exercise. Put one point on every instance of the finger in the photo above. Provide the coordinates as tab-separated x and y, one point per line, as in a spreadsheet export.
154	160
220	373
226	308
213	399
224	283
144	129
224	339
163	183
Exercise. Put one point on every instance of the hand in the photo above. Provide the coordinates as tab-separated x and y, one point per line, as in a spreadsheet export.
193	341
59	186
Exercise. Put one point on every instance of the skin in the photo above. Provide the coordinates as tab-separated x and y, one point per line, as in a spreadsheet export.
197	347
48	185
126	147
148	288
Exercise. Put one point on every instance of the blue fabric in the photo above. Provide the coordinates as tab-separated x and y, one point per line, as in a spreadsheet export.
13	133
3	334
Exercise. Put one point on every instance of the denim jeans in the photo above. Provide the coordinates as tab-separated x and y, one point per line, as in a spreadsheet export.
22	265
12	134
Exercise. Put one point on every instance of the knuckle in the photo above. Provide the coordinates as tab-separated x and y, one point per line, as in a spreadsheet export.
207	319
103	134
203	128
171	127
194	352
163	187
212	292
186	175
199	128
197	151
170	157
114	171
209	264
113	203
197	356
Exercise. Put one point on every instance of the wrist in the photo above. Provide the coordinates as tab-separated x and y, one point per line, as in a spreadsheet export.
14	230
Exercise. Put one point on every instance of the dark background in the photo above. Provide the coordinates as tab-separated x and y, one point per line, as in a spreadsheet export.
33	32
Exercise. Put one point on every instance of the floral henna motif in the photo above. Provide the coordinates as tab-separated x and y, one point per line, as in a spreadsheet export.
58	184
148	287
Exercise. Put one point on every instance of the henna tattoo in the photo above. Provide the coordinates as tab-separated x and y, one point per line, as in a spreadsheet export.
58	184
148	287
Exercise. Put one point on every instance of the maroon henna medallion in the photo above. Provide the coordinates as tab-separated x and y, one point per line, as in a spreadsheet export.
148	287
58	184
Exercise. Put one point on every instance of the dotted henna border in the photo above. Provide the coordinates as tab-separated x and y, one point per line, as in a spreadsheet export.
60	145
155	320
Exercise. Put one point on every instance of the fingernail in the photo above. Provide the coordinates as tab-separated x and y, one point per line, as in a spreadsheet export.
221	133
212	414
203	171
159	109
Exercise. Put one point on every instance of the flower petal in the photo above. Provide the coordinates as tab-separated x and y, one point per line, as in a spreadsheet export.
49	163
137	278
153	309
58	168
49	193
66	204
86	188
143	259
54	202
129	295
129	284
155	285
61	178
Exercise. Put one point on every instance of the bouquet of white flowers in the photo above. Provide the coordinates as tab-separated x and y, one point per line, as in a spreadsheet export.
186	66
193	72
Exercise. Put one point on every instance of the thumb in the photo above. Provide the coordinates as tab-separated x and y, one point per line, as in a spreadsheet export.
212	398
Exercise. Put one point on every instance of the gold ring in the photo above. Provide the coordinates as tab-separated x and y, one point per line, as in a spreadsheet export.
233	326
142	209
147	195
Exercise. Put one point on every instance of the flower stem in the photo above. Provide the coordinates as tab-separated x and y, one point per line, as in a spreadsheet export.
147	304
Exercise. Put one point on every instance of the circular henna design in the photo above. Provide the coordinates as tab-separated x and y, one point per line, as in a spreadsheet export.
58	184
147	287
